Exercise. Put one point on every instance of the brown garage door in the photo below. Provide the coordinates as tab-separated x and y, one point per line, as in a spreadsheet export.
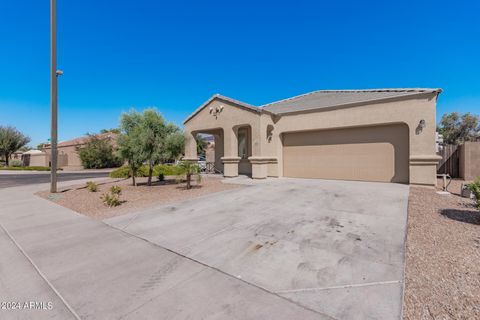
378	153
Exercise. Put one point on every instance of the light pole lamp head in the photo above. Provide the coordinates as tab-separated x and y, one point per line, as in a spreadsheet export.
59	73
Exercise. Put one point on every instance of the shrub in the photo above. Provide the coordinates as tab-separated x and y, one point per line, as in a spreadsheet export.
475	188
98	153
161	177
189	169
92	186
142	171
111	200
116	190
16	163
124	172
167	170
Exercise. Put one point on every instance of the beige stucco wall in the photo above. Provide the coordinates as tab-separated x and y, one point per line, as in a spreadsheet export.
229	120
408	111
68	157
470	160
40	160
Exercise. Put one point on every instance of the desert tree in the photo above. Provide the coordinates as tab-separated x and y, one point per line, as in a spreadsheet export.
154	132
130	142
174	144
456	128
11	140
202	144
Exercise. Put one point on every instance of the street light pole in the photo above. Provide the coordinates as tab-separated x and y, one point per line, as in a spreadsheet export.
53	95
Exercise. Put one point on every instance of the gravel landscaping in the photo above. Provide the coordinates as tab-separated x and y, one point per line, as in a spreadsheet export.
81	200
442	256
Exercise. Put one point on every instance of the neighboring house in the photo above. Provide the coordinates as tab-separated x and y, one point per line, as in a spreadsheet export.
210	152
68	157
17	155
35	158
383	135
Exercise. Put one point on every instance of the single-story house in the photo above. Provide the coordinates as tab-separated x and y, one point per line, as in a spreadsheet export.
68	157
385	135
35	158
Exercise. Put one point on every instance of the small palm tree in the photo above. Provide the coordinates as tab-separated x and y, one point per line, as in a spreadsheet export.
189	169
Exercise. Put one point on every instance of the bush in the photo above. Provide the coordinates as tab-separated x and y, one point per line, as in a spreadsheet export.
124	172
142	171
116	190
98	153
167	170
92	186
16	163
161	177
475	188
111	200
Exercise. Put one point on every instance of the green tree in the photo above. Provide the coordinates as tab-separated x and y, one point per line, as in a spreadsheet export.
189	169
456	128
98	153
25	148
113	130
130	142
10	141
202	145
154	132
147	137
42	145
174	144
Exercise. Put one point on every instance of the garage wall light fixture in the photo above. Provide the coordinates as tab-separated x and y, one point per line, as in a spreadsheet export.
421	125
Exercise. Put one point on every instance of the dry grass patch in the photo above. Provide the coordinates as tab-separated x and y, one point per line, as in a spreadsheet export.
80	199
443	256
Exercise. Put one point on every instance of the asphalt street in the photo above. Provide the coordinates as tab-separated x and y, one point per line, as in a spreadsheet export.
14	180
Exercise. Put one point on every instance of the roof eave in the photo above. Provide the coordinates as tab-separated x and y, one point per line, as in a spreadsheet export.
217	96
358	103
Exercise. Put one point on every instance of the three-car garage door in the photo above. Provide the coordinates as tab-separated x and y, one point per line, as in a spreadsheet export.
378	153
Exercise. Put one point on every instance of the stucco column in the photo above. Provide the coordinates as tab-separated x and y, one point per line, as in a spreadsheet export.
260	166
190	147
263	160
219	151
230	159
423	158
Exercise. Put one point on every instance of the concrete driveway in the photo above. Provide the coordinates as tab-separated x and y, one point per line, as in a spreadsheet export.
334	247
57	264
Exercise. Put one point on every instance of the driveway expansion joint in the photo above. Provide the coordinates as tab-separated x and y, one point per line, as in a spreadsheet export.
340	287
40	273
224	273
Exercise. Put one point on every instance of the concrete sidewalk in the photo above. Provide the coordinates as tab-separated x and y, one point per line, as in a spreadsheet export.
88	270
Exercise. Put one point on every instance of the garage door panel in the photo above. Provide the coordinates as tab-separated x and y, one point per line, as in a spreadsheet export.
367	154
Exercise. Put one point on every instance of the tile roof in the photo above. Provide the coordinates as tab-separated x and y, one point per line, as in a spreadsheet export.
322	99
331	98
83	140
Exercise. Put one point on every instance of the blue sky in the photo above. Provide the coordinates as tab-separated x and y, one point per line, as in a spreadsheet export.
175	54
